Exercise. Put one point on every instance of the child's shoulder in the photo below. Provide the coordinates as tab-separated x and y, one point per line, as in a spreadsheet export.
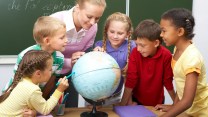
99	43
193	52
58	54
33	47
133	44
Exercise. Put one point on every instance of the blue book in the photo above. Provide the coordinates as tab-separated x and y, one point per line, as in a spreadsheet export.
133	111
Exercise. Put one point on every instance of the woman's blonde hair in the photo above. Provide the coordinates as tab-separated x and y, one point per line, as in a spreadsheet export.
46	26
96	2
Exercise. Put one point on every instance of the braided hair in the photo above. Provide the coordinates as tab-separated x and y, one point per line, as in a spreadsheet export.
33	60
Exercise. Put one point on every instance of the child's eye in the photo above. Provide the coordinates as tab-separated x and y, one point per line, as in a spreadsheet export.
111	31
89	17
62	37
163	31
120	33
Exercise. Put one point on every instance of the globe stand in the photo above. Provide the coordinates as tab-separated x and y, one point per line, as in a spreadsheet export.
94	112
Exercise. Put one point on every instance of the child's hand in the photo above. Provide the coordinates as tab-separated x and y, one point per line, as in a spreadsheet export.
63	84
76	56
162	107
29	113
132	103
99	49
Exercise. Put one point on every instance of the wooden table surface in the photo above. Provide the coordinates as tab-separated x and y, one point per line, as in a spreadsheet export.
75	112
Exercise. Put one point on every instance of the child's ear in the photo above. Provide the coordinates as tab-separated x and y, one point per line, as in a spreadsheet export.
157	43
37	73
181	31
46	40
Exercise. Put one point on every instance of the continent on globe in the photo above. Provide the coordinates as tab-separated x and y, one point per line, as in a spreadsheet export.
97	75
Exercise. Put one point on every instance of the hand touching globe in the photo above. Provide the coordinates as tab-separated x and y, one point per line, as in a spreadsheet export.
97	75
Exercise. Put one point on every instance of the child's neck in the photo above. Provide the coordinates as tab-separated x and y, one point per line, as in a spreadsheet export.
183	44
45	48
33	80
180	48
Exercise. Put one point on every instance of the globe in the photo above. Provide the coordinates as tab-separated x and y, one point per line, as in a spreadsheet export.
96	75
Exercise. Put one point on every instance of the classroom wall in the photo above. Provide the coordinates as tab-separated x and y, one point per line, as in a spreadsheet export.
6	72
201	29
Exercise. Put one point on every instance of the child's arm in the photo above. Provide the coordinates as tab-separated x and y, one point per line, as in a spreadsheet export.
188	96
126	96
43	106
168	76
172	94
176	99
164	107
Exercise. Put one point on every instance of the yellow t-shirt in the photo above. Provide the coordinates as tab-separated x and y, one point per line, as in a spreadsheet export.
192	60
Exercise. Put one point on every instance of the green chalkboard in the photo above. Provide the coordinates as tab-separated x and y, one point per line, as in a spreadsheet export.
153	9
18	16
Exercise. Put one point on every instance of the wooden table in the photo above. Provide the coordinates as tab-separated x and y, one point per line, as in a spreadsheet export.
75	112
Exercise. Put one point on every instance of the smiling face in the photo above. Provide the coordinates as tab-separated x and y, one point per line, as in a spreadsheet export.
88	15
117	33
146	47
169	32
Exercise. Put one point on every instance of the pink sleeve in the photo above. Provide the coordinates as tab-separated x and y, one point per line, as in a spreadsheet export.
67	65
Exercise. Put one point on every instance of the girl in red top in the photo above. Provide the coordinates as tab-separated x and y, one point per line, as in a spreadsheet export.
149	68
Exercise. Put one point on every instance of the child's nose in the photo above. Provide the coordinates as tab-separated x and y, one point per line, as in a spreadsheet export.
115	36
161	34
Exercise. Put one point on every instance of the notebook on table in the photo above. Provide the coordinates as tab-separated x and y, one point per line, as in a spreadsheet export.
133	111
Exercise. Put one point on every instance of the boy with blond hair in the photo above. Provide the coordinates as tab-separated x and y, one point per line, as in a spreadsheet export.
50	35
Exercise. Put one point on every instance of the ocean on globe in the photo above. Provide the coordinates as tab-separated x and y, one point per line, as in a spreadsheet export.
96	75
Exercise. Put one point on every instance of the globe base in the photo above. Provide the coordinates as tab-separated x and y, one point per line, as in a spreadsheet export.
96	114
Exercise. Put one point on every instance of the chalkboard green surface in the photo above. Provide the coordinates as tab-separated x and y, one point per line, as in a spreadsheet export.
18	16
153	9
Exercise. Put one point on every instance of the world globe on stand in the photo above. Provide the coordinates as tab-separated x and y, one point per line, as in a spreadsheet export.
96	75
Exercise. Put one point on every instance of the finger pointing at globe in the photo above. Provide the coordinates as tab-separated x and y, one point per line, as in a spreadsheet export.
76	56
